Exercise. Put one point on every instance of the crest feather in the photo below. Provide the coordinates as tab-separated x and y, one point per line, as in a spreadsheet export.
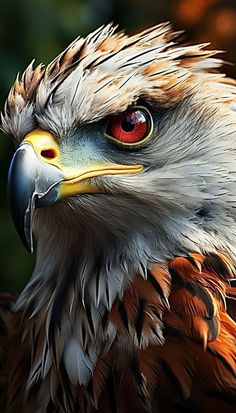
108	70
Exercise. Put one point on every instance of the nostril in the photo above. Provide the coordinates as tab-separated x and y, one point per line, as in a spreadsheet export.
49	153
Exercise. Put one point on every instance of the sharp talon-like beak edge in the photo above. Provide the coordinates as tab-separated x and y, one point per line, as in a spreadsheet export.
30	183
37	178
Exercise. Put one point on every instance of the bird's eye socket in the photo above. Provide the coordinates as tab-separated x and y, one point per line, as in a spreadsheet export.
130	128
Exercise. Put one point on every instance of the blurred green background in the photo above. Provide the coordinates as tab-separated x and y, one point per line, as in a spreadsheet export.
40	29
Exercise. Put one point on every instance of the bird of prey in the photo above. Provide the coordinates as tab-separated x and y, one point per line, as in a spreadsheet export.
124	180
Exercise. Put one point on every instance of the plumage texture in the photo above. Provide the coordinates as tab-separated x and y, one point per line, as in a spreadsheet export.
130	306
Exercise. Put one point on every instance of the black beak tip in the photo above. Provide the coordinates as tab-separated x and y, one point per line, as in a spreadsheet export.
28	243
20	200
23	229
27	237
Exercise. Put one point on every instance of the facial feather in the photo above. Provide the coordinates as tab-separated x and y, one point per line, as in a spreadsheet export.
90	247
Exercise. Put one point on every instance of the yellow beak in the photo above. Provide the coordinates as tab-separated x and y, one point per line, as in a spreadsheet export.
76	180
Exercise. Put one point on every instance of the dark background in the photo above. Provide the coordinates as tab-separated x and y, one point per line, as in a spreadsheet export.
42	28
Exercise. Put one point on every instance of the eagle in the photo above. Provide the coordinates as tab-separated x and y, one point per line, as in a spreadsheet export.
124	181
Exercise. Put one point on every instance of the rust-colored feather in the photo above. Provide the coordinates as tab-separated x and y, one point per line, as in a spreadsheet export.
196	366
175	346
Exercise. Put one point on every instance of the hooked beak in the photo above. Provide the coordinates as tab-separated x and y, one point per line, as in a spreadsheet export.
37	178
30	184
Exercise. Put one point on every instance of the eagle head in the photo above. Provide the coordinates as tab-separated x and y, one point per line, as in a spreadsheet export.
127	140
125	156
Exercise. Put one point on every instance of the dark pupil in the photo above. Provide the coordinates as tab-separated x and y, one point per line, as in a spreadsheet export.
128	124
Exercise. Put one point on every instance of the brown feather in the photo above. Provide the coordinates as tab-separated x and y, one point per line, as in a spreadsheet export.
195	364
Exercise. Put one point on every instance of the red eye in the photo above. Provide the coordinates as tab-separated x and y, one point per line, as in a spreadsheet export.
130	127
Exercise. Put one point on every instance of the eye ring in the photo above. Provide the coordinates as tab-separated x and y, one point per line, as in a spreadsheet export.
144	123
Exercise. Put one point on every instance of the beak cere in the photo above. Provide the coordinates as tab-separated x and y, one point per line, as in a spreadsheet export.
31	183
37	178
